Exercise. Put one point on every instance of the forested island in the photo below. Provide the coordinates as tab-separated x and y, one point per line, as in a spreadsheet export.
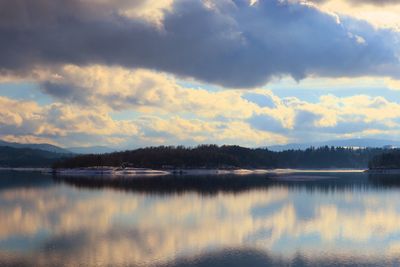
208	156
228	157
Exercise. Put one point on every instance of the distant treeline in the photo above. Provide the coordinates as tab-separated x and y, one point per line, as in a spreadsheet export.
387	160
28	157
212	156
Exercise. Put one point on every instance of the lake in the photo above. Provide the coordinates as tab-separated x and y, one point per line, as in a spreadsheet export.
302	219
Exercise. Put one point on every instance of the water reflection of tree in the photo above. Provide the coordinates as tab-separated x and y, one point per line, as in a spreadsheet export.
384	180
328	182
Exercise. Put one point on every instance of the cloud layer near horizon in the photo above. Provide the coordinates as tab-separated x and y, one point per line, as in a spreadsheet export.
158	110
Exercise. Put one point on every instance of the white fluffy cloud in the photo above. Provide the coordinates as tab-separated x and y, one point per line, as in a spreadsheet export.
159	109
332	117
57	123
69	124
381	14
116	88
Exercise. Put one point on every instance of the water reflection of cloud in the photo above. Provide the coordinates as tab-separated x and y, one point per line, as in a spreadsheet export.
107	227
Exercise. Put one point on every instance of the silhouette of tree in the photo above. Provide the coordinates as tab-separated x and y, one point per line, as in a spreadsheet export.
213	156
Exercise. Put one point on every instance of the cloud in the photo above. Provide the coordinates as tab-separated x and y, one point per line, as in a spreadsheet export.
364	2
158	110
71	124
380	14
393	84
132	108
118	89
28	121
331	117
261	100
230	43
177	131
267	123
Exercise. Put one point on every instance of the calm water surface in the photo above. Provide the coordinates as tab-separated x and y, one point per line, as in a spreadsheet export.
297	220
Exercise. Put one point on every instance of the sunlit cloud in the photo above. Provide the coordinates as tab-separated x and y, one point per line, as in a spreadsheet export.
393	84
381	14
164	111
21	120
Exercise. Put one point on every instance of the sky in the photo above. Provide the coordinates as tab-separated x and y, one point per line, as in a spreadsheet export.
134	73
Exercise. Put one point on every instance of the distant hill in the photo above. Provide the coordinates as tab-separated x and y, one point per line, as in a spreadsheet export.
28	157
91	150
360	142
57	149
45	147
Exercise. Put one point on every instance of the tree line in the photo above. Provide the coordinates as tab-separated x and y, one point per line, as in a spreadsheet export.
387	160
213	156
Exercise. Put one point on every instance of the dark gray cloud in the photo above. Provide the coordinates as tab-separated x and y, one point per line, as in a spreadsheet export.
232	44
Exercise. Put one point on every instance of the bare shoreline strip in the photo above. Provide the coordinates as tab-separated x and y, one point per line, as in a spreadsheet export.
135	172
152	172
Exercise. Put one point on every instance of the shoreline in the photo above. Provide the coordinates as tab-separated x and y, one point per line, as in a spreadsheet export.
139	172
115	172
